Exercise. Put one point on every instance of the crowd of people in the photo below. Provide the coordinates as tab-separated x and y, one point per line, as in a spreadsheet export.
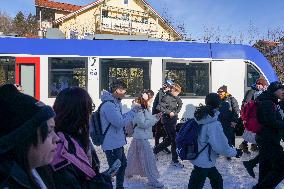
51	147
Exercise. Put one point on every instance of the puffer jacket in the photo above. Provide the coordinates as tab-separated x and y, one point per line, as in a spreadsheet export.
229	111
170	103
111	113
210	132
143	122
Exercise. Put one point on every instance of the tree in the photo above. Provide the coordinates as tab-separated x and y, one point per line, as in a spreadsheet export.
32	25
19	24
5	23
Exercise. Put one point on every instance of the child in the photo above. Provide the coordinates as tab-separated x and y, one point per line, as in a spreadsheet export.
140	157
210	132
170	106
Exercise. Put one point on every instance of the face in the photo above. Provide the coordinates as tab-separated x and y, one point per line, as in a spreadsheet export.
43	153
221	93
279	94
119	93
259	87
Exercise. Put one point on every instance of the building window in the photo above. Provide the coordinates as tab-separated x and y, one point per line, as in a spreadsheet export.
66	72
74	35
145	20
134	72
7	70
192	77
126	2
104	13
252	75
125	16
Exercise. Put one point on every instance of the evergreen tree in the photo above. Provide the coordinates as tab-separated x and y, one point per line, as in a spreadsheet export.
19	24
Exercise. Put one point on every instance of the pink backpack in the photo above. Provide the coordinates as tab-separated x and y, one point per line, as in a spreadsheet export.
249	117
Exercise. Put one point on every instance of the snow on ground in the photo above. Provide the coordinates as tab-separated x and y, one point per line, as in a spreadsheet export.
233	173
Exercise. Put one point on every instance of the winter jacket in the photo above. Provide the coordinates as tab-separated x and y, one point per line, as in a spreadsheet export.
12	176
229	111
272	124
210	132
65	173
249	96
111	113
143	122
170	103
157	101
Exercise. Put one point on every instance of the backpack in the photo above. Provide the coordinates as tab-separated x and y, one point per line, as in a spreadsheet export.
129	129
96	131
186	141
249	117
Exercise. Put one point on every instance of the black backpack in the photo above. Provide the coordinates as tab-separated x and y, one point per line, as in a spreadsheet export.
96	131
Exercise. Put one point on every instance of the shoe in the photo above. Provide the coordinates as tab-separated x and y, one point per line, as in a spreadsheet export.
249	168
254	148
155	184
167	151
229	158
244	148
177	164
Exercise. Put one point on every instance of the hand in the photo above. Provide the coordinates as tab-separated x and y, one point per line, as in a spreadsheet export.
239	153
233	124
172	114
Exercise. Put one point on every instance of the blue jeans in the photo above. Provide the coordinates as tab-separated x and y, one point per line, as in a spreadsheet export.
112	156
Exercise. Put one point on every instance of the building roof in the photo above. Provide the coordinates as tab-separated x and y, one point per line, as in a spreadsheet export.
100	1
57	5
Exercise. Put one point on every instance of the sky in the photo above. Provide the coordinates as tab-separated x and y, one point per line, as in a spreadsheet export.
226	17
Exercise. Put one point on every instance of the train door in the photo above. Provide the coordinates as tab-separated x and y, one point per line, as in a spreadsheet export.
28	75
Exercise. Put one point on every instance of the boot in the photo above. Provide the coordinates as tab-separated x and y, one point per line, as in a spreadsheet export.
253	148
244	148
249	167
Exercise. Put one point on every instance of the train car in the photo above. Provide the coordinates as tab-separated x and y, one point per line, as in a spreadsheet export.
45	66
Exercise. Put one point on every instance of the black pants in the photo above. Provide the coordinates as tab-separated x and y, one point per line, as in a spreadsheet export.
158	132
198	177
112	156
229	133
254	161
169	126
271	167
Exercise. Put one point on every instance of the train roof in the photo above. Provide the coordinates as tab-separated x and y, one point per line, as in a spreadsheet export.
137	49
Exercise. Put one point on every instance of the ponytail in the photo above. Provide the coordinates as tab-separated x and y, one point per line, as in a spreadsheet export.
203	111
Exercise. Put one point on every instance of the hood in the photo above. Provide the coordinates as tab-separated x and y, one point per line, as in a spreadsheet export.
107	96
208	119
266	95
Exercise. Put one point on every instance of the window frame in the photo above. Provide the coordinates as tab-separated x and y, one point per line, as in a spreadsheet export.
58	70
10	62
101	74
184	61
125	2
248	63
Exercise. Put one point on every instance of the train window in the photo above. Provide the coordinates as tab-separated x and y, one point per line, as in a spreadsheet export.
7	70
134	72
66	72
252	75
192	77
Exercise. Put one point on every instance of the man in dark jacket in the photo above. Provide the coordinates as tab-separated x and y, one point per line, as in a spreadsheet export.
229	114
158	129
271	155
170	105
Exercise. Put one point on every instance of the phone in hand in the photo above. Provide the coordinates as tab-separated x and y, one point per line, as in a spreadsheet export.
114	168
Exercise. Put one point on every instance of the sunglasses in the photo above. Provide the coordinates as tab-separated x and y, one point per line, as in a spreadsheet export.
220	91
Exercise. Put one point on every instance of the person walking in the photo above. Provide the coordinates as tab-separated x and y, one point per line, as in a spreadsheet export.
140	157
170	106
115	121
210	133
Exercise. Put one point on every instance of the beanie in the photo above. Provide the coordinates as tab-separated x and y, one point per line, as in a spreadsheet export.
274	86
223	88
20	114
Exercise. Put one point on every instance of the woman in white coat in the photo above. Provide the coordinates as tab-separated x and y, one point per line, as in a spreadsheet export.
140	158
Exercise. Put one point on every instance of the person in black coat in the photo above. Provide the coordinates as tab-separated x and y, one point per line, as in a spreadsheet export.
170	105
158	129
271	155
27	139
229	114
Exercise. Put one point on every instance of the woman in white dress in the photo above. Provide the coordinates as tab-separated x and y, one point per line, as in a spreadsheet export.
140	158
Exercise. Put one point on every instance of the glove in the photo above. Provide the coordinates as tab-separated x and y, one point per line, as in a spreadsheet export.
239	153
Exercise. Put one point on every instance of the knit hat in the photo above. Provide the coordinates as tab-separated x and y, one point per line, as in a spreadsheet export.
274	86
213	100
20	114
223	88
261	81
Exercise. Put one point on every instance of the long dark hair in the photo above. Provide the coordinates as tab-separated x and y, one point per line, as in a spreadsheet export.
73	107
20	153
212	102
